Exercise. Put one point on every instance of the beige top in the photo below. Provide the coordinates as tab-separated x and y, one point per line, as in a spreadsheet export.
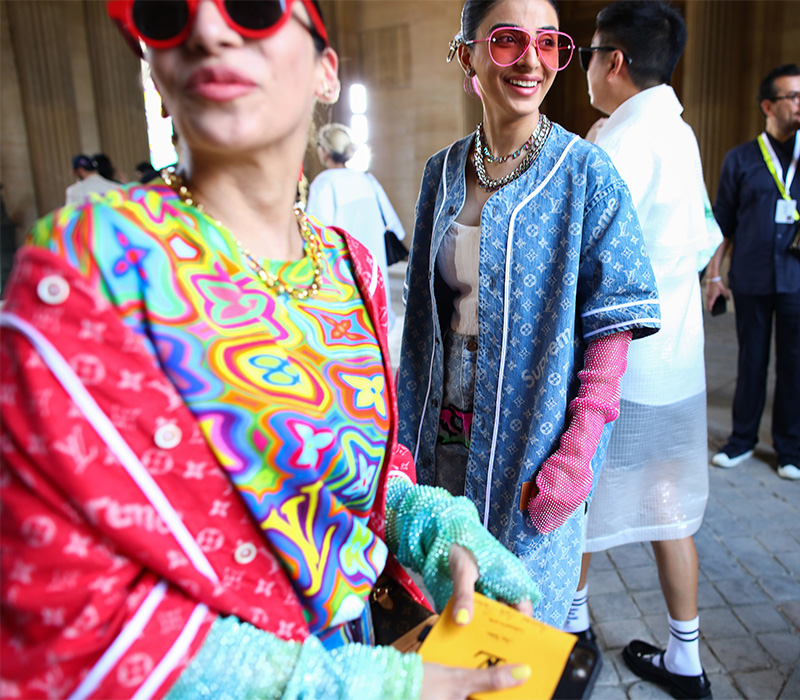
458	265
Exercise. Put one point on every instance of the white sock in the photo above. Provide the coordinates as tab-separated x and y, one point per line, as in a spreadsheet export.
578	615
683	650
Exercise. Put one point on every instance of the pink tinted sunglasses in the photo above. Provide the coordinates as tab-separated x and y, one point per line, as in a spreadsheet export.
507	45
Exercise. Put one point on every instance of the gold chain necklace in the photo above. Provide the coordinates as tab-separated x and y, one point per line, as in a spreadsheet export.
312	245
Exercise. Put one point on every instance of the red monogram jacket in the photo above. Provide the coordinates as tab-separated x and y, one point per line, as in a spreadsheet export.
123	539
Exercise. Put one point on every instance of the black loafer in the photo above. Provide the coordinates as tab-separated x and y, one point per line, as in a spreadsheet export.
642	658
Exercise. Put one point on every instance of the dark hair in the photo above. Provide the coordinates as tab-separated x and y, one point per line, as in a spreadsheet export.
83	161
146	171
319	42
475	11
651	33
104	167
767	91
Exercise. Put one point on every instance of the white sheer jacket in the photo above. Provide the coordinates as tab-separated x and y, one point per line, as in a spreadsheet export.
654	482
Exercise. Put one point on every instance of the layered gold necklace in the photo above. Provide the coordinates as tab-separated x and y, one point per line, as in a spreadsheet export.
312	246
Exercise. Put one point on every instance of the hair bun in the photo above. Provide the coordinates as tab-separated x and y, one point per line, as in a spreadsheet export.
337	141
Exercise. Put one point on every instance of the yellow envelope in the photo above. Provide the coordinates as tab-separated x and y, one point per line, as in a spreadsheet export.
496	635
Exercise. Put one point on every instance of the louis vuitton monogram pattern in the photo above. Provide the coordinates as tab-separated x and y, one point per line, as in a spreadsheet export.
562	261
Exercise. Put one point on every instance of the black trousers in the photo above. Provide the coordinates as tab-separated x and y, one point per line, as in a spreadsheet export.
754	318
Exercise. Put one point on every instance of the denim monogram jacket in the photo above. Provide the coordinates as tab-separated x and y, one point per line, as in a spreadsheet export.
562	262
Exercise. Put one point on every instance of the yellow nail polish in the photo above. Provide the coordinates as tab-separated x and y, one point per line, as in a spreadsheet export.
462	616
520	673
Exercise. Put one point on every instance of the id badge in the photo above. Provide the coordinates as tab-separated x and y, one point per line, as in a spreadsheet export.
784	211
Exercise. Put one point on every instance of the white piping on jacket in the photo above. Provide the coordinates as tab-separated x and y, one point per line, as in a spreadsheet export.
116	443
173	657
504	343
373	280
435	319
129	634
614	307
614	326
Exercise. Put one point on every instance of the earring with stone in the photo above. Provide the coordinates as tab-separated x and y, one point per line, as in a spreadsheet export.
330	93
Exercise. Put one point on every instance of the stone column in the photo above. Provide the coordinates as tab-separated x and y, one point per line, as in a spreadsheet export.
714	71
732	45
41	51
116	77
15	164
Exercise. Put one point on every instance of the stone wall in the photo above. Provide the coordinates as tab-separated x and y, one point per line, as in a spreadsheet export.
70	85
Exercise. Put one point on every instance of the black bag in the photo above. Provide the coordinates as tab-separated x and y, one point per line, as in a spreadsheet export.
394	612
395	250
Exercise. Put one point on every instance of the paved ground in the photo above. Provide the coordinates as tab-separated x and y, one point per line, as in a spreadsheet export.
749	549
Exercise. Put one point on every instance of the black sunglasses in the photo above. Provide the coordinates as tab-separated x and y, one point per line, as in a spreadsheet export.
585	54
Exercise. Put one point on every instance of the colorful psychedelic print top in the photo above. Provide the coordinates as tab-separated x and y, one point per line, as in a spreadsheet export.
290	394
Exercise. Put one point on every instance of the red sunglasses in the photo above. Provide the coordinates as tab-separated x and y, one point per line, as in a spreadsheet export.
164	24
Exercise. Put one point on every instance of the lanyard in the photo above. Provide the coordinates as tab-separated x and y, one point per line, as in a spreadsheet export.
775	169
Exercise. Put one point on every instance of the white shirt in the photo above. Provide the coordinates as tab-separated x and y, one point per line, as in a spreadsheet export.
79	192
656	153
350	200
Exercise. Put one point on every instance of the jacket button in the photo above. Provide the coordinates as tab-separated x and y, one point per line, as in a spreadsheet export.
168	436
52	290
451	210
245	553
472	345
435	403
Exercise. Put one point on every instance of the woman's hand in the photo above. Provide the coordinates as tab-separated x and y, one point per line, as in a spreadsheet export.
565	478
445	683
423	523
464	571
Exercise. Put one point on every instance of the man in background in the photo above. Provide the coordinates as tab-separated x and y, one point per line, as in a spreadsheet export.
756	207
653	486
88	180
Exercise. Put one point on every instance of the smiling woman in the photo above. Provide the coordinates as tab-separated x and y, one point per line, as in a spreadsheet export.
218	484
526	281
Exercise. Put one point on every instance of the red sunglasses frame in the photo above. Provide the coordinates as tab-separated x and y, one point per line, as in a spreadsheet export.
121	11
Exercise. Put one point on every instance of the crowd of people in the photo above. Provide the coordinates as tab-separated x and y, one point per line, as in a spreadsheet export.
208	467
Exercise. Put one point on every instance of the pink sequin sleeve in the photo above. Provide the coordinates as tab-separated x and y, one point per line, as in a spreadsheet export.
565	479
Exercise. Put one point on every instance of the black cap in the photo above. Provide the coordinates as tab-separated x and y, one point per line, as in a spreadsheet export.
83	161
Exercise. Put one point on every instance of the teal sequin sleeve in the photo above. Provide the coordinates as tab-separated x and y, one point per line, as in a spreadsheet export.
422	522
238	661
